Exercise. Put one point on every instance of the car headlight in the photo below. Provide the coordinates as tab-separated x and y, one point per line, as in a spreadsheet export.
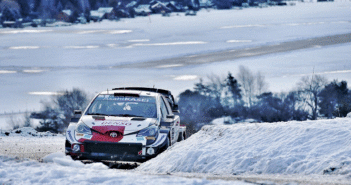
149	131
83	128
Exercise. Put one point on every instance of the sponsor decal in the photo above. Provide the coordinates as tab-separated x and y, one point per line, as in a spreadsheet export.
145	99
70	136
140	138
87	136
80	135
99	118
117	123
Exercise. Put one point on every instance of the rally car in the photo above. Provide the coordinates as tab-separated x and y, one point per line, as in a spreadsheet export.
125	124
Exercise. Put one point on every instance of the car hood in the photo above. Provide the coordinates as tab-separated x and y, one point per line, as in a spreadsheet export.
129	124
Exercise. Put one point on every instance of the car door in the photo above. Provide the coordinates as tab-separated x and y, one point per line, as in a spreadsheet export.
167	111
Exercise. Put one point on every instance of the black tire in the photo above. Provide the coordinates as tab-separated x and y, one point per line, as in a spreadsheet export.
181	136
164	148
68	145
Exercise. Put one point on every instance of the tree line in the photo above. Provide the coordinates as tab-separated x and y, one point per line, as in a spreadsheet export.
246	96
241	97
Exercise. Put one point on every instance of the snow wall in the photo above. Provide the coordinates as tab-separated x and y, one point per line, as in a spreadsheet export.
309	147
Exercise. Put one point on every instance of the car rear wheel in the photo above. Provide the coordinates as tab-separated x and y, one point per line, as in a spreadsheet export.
181	136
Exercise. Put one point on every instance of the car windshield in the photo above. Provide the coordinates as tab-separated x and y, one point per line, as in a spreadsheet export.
110	105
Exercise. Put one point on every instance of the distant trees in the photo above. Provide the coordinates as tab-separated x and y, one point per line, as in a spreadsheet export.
58	113
335	100
24	4
247	97
10	10
223	4
309	89
252	85
233	102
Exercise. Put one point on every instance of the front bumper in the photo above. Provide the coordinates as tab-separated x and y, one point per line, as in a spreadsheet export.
108	151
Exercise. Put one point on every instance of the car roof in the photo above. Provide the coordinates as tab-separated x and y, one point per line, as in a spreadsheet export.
131	92
162	91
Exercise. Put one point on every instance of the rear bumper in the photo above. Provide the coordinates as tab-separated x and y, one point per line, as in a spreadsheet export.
107	151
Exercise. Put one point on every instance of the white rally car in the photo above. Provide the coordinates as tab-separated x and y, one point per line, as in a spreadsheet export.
125	124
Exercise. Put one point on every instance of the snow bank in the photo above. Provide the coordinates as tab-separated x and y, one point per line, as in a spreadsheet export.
306	148
223	120
28	132
60	169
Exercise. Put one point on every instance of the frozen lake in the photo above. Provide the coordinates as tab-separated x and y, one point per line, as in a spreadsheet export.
38	60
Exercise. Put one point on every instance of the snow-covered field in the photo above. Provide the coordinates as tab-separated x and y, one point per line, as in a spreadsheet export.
36	62
30	144
309	152
58	169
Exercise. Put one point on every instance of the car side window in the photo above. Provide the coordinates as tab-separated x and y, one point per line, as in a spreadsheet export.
164	110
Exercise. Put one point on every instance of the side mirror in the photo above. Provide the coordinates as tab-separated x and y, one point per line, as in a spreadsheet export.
175	109
166	123
171	116
76	116
77	112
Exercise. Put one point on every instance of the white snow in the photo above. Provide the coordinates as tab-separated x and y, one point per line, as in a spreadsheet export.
60	169
223	120
32	147
45	93
290	151
24	47
7	72
320	147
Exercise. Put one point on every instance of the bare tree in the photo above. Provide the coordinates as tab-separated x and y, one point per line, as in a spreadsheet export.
309	88
252	85
58	112
215	86
70	101
247	81
27	120
14	122
262	86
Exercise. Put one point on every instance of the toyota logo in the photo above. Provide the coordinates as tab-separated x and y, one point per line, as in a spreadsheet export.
113	134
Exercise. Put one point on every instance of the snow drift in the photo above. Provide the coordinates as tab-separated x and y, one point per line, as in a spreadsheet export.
60	169
309	147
